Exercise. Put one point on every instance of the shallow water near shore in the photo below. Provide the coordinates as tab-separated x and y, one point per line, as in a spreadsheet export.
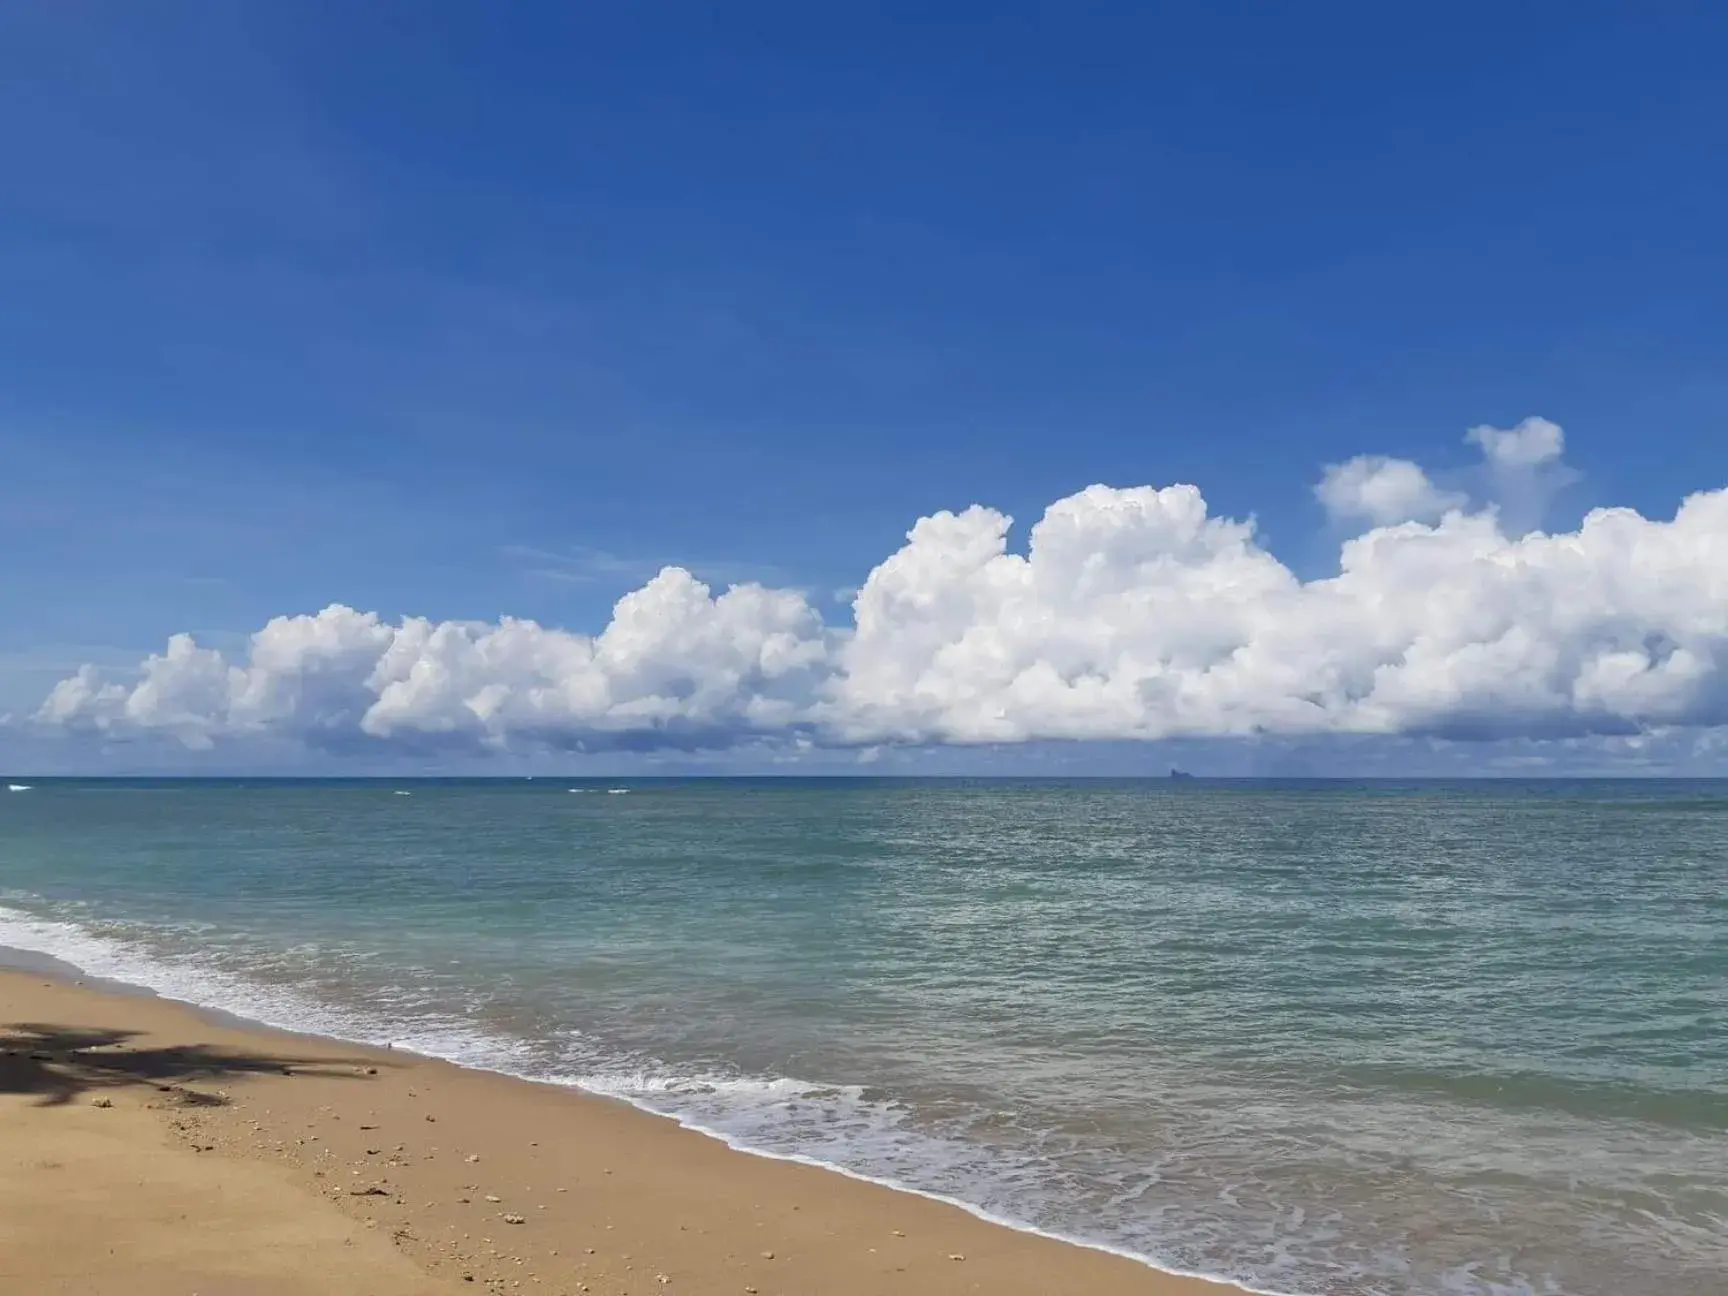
1317	1038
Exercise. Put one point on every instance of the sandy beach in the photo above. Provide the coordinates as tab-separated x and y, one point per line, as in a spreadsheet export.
147	1149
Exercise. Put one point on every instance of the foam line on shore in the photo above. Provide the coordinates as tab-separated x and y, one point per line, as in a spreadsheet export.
66	950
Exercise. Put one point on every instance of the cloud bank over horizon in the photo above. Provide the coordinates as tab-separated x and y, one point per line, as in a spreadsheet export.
1133	614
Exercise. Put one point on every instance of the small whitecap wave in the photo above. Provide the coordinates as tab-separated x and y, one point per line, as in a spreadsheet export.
399	792
18	787
617	791
745	1088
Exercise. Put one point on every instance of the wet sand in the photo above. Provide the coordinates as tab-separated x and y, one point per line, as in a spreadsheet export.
147	1149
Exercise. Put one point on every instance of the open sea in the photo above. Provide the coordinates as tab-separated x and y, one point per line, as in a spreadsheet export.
1321	1037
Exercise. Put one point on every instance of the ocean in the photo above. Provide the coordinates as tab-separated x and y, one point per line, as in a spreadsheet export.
1379	1037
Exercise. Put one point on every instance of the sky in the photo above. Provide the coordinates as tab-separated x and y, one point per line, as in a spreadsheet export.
356	361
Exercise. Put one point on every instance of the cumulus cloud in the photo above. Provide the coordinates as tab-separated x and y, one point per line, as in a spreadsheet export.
1132	614
1520	474
1532	443
1382	491
676	665
1524	469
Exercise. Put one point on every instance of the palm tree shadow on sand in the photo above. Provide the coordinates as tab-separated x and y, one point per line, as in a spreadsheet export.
61	1063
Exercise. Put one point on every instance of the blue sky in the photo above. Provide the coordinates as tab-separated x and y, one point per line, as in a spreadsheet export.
462	311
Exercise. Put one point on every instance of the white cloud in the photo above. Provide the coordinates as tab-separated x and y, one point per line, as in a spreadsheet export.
1382	491
675	665
1533	442
1133	614
1524	469
1521	472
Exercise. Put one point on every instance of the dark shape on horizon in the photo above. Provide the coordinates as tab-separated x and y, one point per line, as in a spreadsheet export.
1180	774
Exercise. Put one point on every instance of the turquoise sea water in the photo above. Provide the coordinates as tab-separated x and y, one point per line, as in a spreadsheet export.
1319	1038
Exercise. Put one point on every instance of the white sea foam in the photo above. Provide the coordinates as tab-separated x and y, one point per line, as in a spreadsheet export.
132	963
835	1127
18	787
753	1115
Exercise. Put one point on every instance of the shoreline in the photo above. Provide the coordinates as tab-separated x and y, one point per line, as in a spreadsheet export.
977	1252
